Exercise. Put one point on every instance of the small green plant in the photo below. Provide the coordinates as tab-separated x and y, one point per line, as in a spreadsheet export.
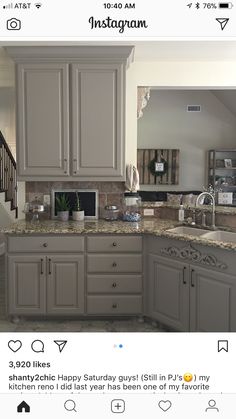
77	203
62	203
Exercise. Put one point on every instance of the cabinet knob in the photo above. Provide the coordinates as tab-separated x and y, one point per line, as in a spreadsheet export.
45	244
114	305
114	285
114	264
114	244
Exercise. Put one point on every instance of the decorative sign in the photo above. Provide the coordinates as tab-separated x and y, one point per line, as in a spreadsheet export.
225	198
158	166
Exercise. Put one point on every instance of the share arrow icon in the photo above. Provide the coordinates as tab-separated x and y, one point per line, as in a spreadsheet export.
223	22
61	344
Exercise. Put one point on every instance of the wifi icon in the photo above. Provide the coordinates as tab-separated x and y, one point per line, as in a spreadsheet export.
38	5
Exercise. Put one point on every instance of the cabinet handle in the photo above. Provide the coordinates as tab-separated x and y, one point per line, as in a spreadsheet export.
114	305
184	280
75	166
114	285
49	266
65	166
114	264
41	266
192	281
45	244
114	244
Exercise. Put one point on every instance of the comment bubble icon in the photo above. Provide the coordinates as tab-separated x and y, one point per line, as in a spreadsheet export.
37	346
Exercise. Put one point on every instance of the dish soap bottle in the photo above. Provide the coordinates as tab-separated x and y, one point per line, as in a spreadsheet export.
181	213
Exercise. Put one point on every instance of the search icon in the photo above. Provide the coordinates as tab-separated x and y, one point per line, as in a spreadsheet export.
70	405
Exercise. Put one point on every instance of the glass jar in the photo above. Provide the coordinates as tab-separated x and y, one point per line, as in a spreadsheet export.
111	212
131	207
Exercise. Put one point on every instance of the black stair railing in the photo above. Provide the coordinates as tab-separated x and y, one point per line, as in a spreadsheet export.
8	181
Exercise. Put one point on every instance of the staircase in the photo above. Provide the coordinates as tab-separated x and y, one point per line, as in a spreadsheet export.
8	181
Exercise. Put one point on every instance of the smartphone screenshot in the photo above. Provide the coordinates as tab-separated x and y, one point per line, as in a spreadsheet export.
117	209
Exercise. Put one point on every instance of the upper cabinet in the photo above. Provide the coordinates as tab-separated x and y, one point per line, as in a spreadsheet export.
71	112
43	119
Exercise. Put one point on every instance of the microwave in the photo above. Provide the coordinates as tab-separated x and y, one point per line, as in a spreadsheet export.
88	200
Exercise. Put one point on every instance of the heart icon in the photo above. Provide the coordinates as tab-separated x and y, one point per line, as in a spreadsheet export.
14	345
165	405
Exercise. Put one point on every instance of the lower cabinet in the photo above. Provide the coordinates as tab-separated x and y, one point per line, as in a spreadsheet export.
26	284
168	292
47	275
39	284
114	275
187	297
186	286
65	284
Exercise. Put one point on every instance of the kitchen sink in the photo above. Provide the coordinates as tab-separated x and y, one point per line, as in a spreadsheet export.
222	236
188	231
218	235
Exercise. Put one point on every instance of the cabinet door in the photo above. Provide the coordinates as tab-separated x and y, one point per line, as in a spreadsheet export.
98	120
43	119
65	284
26	284
212	301
168	292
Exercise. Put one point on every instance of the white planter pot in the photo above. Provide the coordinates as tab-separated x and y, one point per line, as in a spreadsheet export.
63	215
78	215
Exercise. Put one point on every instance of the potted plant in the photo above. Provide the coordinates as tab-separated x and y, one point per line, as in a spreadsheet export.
63	207
77	213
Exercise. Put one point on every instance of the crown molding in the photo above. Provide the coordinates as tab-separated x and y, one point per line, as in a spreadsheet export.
108	54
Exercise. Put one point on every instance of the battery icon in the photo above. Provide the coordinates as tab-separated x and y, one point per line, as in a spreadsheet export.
225	5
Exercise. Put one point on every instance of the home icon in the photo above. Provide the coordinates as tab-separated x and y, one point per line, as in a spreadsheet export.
23	407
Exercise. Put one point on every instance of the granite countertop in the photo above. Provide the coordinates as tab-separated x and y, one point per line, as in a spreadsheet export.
154	226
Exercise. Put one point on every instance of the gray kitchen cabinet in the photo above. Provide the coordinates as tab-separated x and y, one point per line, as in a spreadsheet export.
212	295
114	275
65	284
71	112
168	292
26	284
186	296
45	275
46	284
43	119
98	120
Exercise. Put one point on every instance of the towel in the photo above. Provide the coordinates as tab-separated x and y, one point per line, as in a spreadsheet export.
132	178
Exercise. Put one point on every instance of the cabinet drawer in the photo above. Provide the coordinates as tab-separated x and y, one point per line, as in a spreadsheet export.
114	284
46	244
114	244
113	305
114	263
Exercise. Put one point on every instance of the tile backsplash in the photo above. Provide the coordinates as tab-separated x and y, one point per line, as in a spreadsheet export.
110	193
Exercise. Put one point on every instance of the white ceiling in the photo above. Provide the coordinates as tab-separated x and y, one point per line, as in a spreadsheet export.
162	50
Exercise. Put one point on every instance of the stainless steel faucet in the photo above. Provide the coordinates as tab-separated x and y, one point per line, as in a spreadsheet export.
200	201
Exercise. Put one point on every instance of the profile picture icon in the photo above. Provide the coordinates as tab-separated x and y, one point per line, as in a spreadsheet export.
13	24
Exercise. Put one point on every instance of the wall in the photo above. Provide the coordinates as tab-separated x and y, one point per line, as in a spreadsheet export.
167	124
190	74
